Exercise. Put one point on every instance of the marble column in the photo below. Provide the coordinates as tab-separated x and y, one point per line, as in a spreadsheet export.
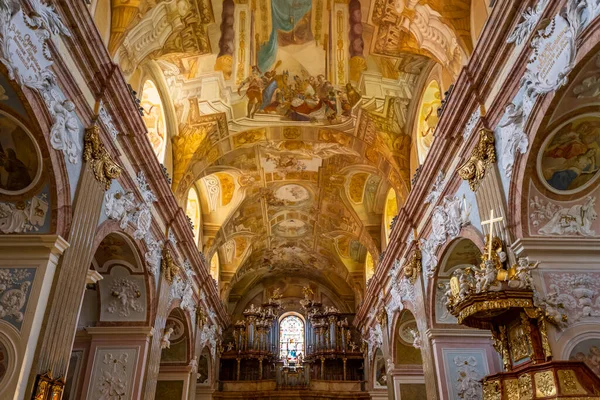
162	312
54	350
30	261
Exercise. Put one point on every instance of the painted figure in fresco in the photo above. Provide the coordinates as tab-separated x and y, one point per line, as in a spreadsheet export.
17	172
573	156
255	85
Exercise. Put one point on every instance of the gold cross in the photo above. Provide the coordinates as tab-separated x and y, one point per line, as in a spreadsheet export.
490	222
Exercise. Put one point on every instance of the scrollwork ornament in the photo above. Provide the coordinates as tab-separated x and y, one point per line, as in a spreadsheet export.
105	169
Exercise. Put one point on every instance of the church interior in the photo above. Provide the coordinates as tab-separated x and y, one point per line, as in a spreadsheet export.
299	199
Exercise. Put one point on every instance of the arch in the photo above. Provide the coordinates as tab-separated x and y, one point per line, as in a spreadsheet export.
431	100
154	118
379	370
459	253
292	336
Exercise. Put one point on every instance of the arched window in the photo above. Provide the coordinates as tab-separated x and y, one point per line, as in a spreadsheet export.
193	212
428	119
214	267
291	338
154	118
391	210
369	266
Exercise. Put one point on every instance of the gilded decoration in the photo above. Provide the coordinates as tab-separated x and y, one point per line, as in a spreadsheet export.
544	384
105	169
482	156
491	390
490	305
568	382
525	388
168	266
511	389
382	317
412	269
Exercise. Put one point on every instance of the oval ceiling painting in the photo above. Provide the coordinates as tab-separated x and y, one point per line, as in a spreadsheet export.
292	193
571	156
20	166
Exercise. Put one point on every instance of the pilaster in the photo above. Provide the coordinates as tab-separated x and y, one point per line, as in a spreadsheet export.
30	263
54	350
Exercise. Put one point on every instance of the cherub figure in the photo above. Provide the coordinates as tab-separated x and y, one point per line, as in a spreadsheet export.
522	277
165	342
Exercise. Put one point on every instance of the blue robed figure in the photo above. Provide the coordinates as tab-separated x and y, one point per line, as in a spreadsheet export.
290	25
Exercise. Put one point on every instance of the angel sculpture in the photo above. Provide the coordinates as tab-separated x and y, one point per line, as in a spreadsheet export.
522	274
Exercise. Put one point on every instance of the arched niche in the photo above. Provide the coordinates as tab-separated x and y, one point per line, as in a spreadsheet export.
390	211
175	341
459	254
154	118
193	212
205	372
406	337
428	118
588	351
379	370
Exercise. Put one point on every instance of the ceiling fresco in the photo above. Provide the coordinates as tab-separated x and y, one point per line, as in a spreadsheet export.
290	120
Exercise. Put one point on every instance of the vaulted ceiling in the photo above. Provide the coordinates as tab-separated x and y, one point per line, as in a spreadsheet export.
293	164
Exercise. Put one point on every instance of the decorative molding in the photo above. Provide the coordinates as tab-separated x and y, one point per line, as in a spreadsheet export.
126	295
553	57
24	52
471	123
105	169
482	156
24	216
551	219
112	381
446	222
108	122
436	188
531	16
14	293
468	384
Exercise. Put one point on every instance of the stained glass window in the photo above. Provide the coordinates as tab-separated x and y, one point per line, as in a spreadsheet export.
291	338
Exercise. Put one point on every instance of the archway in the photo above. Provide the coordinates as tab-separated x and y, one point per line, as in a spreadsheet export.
154	118
407	374
174	374
115	303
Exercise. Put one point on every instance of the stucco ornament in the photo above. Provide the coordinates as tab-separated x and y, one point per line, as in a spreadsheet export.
468	384
471	123
120	206
112	381
446	222
577	293
401	290
24	52
98	158
482	156
126	295
209	337
14	287
436	190
154	254
551	219
531	16
23	217
165	341
374	340
552	58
